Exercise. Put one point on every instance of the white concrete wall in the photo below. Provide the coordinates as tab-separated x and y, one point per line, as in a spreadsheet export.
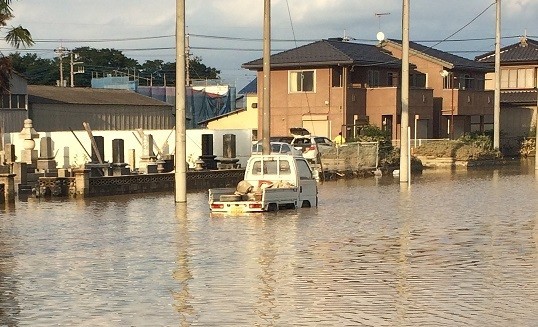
69	152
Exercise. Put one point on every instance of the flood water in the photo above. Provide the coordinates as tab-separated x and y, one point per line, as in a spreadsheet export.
455	249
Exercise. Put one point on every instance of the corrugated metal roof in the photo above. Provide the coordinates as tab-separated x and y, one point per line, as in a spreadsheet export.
329	52
75	95
457	61
524	51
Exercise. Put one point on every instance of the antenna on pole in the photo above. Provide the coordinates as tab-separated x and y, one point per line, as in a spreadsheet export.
378	15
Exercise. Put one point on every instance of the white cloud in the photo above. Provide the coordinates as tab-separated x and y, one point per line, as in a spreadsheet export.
311	19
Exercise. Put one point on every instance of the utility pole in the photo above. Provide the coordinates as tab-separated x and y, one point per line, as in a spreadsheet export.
266	114
61	52
180	174
536	133
497	93
187	59
404	122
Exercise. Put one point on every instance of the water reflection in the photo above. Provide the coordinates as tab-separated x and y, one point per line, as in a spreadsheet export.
182	275
453	249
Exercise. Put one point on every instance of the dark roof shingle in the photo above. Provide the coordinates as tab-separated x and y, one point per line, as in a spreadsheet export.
457	61
521	97
523	51
329	52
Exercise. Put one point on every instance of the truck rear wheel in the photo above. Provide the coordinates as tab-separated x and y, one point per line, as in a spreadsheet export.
272	207
306	204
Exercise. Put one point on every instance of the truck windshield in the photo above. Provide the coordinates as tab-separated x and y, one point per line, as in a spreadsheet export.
271	167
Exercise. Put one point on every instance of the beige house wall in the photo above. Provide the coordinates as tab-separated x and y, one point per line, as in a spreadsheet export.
387	102
291	109
243	119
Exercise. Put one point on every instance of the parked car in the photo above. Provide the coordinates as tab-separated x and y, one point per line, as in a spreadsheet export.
285	139
276	147
309	145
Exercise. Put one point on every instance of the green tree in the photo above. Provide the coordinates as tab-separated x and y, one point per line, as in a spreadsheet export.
37	71
197	70
100	62
16	37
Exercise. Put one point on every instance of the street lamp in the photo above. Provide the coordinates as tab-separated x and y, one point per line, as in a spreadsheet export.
536	134
417	117
445	74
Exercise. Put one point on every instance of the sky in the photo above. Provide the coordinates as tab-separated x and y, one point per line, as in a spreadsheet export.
228	33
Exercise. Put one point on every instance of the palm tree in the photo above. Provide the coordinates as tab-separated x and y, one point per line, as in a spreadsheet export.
16	37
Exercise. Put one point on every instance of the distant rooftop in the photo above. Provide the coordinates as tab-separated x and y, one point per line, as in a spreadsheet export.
251	87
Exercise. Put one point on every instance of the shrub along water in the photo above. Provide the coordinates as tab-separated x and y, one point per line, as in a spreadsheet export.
474	146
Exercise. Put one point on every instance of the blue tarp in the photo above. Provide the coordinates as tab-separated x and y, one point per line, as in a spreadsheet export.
202	105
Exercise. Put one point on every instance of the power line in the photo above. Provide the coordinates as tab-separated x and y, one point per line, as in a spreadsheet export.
232	38
101	40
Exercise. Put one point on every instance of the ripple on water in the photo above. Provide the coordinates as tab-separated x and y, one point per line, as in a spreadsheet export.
452	250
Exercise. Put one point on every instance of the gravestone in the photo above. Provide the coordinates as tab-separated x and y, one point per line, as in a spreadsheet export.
119	167
148	159
207	152
45	161
228	161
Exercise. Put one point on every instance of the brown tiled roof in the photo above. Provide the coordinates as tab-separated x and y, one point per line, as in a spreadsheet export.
526	51
44	94
329	52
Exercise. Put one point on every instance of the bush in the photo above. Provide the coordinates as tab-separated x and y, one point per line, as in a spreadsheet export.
469	147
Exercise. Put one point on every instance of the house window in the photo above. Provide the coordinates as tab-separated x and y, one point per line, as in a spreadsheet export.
337	74
13	101
417	80
488	122
392	79
373	78
5	101
302	81
521	78
476	123
449	82
467	82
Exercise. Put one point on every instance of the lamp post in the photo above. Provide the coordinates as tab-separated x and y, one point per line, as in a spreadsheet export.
445	74
536	135
417	117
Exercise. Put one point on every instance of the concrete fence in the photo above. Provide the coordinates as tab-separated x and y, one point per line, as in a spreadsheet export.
69	153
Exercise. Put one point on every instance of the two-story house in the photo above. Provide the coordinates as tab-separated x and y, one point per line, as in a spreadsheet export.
519	82
460	102
333	85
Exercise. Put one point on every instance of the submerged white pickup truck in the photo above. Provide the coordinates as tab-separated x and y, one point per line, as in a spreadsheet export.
271	182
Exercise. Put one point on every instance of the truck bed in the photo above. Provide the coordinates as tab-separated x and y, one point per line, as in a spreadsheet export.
266	199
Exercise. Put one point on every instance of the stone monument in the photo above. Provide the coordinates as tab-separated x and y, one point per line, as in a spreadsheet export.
28	134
